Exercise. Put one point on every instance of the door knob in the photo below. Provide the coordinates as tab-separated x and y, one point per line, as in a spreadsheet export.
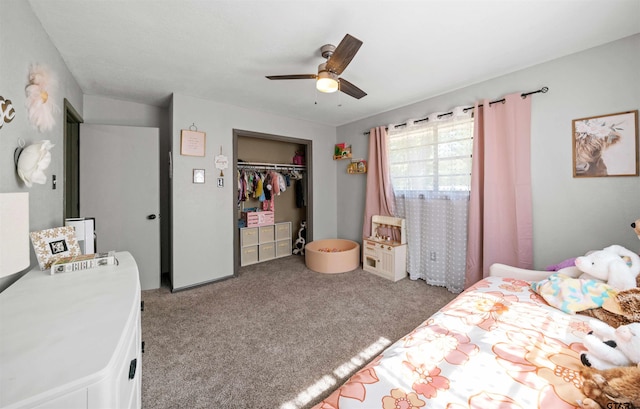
151	216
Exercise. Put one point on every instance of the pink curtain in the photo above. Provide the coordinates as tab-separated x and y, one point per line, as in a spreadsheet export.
500	208
379	199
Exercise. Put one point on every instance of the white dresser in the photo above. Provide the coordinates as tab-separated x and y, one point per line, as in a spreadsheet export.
72	340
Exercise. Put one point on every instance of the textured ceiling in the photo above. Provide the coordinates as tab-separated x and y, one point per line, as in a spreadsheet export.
143	50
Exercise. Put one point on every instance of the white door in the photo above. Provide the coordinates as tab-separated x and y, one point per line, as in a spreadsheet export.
119	186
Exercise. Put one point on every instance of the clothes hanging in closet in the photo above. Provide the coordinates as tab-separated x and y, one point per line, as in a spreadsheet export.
263	185
300	187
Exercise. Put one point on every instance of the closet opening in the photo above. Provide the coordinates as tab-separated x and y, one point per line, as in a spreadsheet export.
255	154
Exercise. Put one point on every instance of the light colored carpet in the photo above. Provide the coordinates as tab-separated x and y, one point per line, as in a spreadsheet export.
277	336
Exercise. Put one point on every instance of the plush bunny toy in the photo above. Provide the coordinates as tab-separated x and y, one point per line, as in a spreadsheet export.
609	347
608	265
636	227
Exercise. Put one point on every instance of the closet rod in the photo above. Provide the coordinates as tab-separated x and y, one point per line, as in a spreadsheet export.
274	166
523	95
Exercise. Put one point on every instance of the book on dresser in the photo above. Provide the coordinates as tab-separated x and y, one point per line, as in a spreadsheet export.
82	262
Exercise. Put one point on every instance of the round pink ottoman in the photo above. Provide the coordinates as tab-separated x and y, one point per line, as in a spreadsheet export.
347	258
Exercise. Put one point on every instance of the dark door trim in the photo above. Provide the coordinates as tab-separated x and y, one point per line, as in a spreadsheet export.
71	176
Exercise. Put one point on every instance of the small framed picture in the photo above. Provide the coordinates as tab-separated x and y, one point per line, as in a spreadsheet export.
198	176
52	244
606	145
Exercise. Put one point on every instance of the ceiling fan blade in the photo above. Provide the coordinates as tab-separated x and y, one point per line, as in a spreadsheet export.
344	53
350	89
293	77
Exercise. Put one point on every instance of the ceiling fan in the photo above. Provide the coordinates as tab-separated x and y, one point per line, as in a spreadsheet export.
337	60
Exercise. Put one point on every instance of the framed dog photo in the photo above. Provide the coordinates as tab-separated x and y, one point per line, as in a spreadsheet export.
52	244
606	145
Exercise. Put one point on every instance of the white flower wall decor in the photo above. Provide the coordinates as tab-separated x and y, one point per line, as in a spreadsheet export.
33	161
40	104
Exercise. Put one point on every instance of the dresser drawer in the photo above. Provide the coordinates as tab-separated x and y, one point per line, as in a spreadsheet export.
249	255
267	251
129	376
77	399
248	237
266	233
283	248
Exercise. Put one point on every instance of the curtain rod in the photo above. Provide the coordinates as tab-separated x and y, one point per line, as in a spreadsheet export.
523	96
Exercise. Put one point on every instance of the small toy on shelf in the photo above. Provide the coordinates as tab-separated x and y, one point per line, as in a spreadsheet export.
357	166
342	151
298	158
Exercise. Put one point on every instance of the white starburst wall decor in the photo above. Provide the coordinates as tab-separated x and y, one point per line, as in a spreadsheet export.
41	108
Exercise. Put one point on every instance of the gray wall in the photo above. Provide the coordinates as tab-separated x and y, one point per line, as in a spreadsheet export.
570	215
109	111
23	42
203	215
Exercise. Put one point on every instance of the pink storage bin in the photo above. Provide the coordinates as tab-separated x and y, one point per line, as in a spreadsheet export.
257	219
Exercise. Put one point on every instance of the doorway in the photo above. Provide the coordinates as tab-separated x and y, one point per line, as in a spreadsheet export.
261	139
71	194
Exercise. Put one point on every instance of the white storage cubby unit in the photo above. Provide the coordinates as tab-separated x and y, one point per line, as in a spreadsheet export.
72	340
264	243
384	253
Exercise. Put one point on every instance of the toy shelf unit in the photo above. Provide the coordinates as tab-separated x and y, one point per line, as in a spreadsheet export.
264	242
384	253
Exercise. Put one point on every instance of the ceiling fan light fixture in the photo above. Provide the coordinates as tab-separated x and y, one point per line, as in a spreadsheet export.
338	58
327	82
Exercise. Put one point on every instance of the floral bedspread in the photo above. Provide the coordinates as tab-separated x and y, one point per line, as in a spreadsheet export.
497	345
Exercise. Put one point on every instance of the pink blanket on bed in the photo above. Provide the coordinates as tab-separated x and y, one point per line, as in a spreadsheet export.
497	345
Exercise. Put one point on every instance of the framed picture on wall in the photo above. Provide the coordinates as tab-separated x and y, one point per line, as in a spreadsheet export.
198	176
606	145
192	143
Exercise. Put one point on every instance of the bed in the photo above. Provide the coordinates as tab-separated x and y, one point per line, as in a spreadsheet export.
496	345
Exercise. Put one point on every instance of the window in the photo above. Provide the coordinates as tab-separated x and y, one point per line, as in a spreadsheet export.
430	169
434	157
